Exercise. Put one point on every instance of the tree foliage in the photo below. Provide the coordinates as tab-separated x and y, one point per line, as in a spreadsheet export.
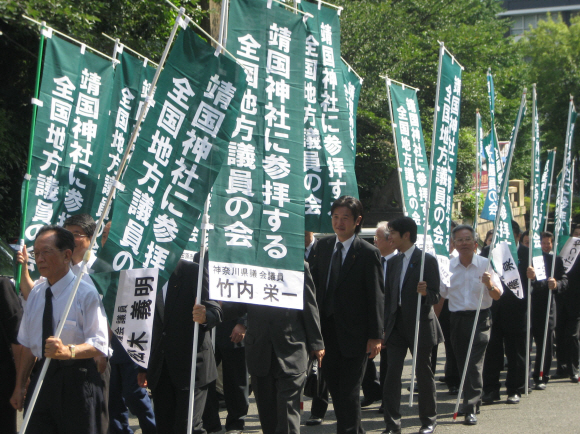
398	38
553	54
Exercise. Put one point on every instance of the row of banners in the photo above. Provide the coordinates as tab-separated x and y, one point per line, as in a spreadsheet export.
269	138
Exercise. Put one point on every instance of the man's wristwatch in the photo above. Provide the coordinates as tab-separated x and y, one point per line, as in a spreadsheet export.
72	351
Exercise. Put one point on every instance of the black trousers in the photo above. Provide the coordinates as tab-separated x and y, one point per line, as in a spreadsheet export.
70	400
7	412
538	326
515	351
343	376
461	328
278	399
320	403
560	329
236	390
371	383
397	346
452	375
171	405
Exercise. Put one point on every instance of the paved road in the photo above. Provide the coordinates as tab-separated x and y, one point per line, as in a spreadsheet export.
555	410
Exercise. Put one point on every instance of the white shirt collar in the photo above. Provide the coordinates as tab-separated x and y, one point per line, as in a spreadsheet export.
409	252
346	244
390	255
58	288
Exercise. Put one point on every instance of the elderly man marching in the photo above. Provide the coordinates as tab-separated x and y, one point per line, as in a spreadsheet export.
469	272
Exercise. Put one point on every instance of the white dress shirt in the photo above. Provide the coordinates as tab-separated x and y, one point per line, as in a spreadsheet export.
86	321
465	285
345	246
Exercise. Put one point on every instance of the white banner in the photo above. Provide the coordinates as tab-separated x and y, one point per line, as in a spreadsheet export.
539	267
134	310
508	270
256	285
570	252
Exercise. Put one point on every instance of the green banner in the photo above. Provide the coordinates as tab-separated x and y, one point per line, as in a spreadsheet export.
257	246
132	82
410	148
564	216
444	158
535	193
504	252
72	116
178	154
330	97
546	187
494	164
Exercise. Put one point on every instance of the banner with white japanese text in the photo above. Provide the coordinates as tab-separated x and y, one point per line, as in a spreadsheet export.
72	117
564	207
330	98
410	148
569	252
178	154
256	248
444	159
132	82
130	313
545	188
536	211
493	157
504	232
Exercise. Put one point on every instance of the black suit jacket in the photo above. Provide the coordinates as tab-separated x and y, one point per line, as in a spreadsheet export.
430	332
358	296
172	341
571	296
289	334
540	290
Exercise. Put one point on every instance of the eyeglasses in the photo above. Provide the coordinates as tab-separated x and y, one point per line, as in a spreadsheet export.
77	235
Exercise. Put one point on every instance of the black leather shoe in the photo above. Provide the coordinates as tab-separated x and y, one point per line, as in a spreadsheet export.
470	419
540	386
428	429
314	421
574	379
365	402
489	397
392	431
416	389
513	399
453	390
460	412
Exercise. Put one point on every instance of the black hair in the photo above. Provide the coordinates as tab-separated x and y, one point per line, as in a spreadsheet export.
547	235
516	229
85	221
403	225
462	228
65	240
355	207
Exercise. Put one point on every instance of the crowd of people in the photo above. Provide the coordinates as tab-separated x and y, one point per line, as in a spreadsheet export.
360	301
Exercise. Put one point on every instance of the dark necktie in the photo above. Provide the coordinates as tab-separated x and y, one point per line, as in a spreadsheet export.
335	267
47	330
383	262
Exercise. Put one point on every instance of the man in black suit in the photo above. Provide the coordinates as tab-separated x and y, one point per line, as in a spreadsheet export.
569	329
542	291
401	295
509	318
278	343
169	370
349	290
